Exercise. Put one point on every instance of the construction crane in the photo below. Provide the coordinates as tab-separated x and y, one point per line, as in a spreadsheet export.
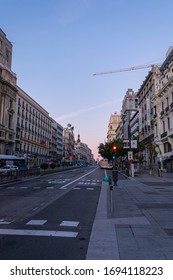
126	69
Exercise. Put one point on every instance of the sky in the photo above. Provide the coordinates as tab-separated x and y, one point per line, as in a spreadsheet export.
59	44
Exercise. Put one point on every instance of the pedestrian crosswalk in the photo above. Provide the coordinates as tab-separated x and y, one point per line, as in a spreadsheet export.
52	185
30	231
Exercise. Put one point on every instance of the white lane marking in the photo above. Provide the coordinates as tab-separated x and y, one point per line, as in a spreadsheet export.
50	188
58	181
4	222
49	233
11	188
24	188
76	188
79	178
63	188
36	222
90	189
69	223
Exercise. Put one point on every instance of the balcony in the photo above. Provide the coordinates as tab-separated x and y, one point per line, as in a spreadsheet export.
162	113
170	132
171	105
167	109
2	136
164	134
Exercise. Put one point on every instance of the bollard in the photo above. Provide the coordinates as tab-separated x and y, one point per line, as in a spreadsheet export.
110	184
115	176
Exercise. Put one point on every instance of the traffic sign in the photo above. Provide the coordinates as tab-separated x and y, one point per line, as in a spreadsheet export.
130	155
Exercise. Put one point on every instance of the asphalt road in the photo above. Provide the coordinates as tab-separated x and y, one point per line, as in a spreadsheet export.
49	217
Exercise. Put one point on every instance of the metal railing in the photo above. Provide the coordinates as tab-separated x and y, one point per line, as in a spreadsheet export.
17	174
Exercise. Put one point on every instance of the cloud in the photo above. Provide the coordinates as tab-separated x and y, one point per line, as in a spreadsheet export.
83	111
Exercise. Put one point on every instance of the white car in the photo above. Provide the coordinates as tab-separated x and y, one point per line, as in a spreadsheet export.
8	168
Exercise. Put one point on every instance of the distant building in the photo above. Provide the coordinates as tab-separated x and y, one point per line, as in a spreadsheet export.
129	108
112	126
59	142
83	152
68	143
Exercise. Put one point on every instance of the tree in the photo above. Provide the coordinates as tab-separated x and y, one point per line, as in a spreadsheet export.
106	150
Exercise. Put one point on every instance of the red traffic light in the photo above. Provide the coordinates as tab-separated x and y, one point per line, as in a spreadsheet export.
114	148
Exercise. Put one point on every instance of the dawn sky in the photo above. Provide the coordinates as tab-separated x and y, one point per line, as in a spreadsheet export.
59	44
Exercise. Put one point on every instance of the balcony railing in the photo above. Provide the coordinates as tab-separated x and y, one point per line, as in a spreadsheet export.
164	134
162	113
167	109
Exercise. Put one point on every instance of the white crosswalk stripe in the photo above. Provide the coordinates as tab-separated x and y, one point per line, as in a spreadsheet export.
5	222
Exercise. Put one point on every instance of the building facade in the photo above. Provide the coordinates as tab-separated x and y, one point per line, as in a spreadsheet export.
83	153
163	113
8	92
146	93
112	126
59	142
129	108
68	143
33	130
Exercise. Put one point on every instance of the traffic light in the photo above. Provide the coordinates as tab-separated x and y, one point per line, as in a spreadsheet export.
114	148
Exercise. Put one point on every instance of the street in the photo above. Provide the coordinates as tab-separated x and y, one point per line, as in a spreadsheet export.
49	217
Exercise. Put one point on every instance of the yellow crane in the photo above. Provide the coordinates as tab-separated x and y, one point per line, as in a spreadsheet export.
126	69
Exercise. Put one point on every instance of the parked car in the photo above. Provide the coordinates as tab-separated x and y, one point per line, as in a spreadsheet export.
23	167
8	168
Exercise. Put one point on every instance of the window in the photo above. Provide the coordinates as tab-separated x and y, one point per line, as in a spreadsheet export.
11	104
9	121
167	101
168	122
167	147
155	110
7	55
163	126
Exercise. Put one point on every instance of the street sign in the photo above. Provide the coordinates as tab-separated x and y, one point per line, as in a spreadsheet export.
133	144
126	144
130	155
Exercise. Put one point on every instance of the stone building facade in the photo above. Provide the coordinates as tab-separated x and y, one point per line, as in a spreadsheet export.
8	92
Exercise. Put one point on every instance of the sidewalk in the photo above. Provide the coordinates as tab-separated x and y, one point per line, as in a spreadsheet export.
134	221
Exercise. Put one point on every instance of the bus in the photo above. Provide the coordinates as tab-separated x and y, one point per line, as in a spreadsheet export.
105	164
12	160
